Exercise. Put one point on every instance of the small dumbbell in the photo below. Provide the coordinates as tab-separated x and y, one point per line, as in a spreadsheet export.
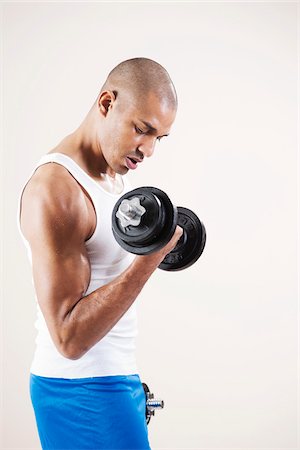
152	404
144	220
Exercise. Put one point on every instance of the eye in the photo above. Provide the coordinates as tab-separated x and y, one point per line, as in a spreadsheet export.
139	131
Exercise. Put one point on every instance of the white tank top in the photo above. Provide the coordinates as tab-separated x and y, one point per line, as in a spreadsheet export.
115	353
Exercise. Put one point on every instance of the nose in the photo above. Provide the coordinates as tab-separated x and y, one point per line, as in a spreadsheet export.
148	147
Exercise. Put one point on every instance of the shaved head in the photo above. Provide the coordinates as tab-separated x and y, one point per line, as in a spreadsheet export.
134	110
136	78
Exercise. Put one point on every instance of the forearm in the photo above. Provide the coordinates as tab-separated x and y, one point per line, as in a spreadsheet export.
94	316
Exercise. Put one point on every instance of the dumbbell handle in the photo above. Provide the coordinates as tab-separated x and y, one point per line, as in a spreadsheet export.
153	404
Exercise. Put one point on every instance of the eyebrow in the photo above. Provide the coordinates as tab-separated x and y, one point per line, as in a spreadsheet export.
151	127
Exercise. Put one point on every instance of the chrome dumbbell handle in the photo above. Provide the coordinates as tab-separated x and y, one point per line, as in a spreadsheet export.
154	404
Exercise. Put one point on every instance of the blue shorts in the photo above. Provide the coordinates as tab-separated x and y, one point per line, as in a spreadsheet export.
101	413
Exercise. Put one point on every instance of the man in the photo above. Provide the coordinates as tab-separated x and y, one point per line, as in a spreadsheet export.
85	386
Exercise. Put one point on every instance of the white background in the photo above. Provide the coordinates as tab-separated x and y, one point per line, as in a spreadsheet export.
218	341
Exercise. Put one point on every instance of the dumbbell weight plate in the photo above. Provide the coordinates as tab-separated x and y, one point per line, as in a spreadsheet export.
191	244
157	224
151	221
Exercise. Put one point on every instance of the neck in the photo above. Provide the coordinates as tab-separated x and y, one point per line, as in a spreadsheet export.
83	146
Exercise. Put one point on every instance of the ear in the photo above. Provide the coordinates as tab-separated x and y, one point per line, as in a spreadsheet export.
106	100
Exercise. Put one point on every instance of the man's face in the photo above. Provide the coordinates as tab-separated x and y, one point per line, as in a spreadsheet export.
131	131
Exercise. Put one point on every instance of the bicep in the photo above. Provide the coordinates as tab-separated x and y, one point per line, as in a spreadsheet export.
60	278
61	270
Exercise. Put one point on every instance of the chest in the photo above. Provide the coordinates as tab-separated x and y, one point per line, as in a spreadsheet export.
102	248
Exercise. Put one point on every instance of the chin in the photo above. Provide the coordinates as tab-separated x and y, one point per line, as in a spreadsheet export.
123	170
120	168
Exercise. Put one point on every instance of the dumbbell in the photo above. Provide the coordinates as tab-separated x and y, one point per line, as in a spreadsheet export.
152	404
144	220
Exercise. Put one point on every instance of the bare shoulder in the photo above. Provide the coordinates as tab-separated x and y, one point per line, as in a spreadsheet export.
53	202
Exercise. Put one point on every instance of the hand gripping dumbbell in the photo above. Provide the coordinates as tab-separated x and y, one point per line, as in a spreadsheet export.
144	220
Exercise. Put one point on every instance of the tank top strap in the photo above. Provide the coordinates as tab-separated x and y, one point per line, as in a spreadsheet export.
89	184
75	170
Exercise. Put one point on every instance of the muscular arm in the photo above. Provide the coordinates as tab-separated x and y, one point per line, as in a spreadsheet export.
55	221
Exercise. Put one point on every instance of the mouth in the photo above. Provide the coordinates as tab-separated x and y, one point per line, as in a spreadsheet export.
132	162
